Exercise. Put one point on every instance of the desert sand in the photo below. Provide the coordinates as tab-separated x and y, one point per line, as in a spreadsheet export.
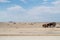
27	29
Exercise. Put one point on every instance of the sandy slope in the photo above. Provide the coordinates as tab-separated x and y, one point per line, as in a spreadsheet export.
24	25
27	29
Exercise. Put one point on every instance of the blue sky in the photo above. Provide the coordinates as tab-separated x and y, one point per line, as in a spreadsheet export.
30	10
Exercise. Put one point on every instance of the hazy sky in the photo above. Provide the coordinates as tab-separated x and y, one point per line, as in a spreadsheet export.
30	10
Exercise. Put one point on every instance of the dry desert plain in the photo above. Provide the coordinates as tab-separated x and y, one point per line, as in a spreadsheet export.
27	29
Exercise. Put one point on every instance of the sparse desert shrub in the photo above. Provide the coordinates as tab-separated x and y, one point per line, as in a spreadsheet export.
14	23
31	23
57	27
52	24
7	24
10	21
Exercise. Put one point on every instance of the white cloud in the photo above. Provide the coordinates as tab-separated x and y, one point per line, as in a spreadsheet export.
19	13
56	3
44	10
15	8
4	1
